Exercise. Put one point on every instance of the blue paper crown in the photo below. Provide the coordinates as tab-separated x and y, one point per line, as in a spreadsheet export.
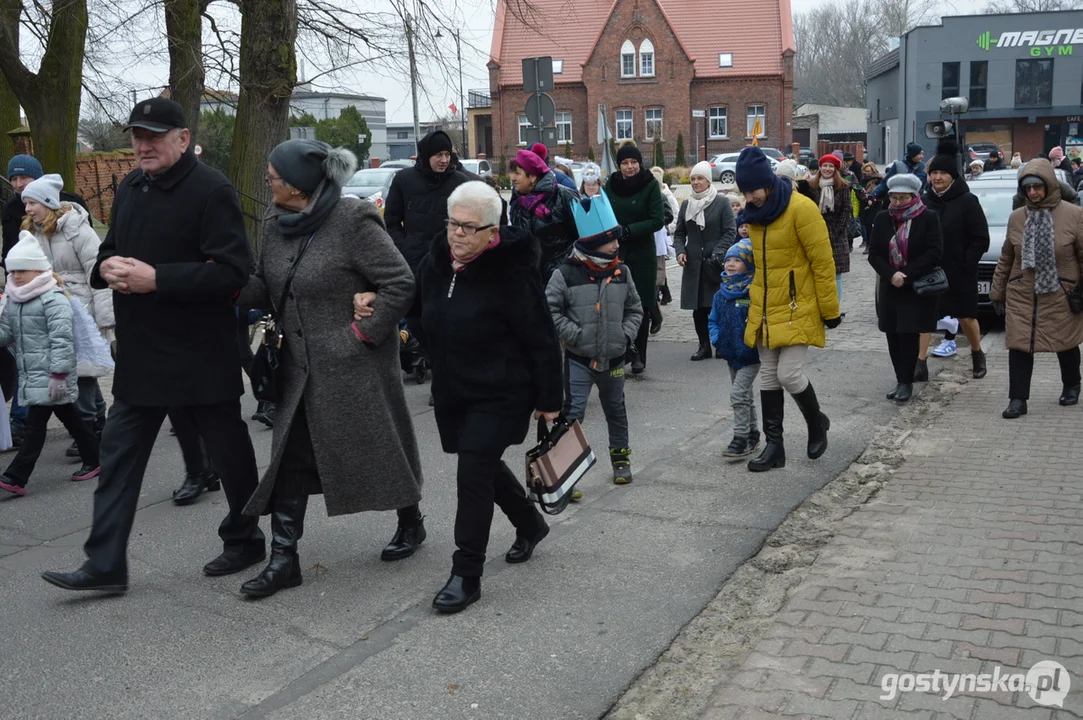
594	216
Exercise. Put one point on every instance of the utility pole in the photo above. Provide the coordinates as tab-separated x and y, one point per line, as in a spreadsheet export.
462	98
413	76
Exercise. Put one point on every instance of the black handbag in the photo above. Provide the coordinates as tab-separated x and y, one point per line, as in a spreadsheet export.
267	360
933	284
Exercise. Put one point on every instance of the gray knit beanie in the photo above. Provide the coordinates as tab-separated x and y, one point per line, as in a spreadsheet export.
305	163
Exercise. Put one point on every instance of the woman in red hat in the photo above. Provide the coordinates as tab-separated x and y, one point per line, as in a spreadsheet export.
831	192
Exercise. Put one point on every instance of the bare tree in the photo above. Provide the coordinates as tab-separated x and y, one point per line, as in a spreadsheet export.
184	36
104	134
51	96
1026	6
9	102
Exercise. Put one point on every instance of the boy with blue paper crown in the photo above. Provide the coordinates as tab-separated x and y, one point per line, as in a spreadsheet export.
729	315
597	313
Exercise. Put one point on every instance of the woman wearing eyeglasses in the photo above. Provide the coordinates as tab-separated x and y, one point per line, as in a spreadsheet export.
496	361
342	429
543	206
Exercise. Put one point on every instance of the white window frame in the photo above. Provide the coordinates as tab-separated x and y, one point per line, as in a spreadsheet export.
750	119
725	60
523	124
564	120
627	50
646	56
648	121
558	66
625	117
712	116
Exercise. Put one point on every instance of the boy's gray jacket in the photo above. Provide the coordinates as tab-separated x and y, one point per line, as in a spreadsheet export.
43	333
596	316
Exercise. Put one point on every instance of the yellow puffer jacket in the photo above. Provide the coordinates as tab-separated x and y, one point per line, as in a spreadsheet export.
793	290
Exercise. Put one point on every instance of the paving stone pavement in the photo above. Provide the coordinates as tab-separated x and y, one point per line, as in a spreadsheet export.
970	558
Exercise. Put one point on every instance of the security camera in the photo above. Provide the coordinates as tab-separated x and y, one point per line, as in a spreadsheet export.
954	105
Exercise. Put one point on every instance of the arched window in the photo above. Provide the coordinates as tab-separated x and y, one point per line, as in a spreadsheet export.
627	59
646	58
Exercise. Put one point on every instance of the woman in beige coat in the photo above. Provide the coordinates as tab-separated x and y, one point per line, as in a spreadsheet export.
1039	265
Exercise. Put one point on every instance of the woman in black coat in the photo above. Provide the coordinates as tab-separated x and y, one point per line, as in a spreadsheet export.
905	246
496	359
966	238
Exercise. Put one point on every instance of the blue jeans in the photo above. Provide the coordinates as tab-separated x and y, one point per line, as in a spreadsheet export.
838	286
18	413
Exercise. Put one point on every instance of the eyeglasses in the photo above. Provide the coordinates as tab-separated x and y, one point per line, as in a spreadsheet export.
270	179
467	229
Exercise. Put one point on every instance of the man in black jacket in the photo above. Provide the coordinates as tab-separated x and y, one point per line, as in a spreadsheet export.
416	207
175	257
22	170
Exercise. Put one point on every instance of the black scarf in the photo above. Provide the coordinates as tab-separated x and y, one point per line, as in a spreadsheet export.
309	220
626	187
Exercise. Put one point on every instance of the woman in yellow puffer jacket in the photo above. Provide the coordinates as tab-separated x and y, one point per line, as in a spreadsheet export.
793	296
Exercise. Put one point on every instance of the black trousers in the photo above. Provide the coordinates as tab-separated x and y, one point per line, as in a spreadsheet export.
1021	368
703	330
37	421
193	449
126	446
903	348
641	339
484	480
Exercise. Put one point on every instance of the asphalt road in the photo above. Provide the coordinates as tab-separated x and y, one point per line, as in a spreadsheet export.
558	637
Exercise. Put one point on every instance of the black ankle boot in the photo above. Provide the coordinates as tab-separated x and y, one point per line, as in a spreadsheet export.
1015	409
977	358
921	371
702	353
284	569
774	454
194	485
408	537
903	392
817	422
458	593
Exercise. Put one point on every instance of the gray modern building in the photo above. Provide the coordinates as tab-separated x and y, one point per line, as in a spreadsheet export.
1022	72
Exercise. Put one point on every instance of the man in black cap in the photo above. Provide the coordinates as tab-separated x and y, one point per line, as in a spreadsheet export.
416	206
175	257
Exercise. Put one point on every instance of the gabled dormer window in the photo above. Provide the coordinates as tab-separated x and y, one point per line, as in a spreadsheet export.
628	59
646	59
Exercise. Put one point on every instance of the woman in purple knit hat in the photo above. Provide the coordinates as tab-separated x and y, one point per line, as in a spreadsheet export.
542	206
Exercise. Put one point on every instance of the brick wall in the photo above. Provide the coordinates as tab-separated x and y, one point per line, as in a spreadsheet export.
674	89
94	174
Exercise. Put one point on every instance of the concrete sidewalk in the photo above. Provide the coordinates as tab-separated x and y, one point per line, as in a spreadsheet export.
967	559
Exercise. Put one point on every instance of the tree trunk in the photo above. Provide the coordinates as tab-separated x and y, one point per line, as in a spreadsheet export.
184	35
51	97
9	103
268	69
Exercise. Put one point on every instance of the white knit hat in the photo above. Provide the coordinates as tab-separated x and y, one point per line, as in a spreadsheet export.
703	169
787	169
27	254
45	190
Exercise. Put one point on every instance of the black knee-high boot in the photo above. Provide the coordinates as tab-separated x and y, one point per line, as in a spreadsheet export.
284	569
818	423
774	453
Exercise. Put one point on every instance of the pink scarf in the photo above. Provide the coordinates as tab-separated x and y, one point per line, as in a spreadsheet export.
899	247
38	286
458	265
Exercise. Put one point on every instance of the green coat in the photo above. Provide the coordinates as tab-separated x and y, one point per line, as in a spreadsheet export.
643	214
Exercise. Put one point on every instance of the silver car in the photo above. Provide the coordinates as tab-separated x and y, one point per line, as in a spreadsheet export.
368	181
724	167
481	168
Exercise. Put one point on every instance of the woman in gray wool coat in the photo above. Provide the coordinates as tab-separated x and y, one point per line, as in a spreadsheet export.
705	229
342	428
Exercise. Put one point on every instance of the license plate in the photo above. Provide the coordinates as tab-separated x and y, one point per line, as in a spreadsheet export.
983	287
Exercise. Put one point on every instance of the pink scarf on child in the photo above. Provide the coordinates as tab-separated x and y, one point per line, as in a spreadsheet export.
38	286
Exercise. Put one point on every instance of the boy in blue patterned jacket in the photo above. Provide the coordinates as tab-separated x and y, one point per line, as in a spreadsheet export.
729	315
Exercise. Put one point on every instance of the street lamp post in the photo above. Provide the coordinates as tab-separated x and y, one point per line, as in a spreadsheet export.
462	99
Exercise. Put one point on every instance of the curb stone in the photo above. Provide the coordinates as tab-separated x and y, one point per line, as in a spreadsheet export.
713	647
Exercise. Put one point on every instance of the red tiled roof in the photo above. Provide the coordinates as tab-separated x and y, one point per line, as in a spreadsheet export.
569	29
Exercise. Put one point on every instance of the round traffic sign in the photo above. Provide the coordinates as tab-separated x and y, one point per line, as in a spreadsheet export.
540	109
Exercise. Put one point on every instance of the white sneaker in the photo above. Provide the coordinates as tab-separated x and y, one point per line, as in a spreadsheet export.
946	348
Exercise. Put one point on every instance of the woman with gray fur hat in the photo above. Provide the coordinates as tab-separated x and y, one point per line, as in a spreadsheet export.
342	429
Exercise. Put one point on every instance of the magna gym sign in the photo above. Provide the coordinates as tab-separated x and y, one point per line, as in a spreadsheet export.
1042	43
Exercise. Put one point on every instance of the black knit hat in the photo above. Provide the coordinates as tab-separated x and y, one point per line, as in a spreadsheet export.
946	158
629	151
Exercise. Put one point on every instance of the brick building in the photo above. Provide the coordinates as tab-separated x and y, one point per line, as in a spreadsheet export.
650	63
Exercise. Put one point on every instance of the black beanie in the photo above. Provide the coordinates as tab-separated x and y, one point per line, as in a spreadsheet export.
629	151
435	142
946	158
